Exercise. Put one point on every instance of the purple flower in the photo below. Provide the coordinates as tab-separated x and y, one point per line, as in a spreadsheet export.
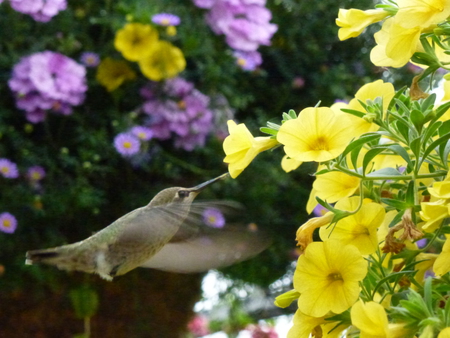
39	10
247	60
166	19
422	243
245	23
35	173
8	223
47	81
204	3
320	210
142	133
90	59
127	144
185	115
8	169
213	217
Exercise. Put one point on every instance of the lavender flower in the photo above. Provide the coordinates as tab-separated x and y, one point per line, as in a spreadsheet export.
247	60
8	223
320	210
186	115
142	133
8	169
245	23
35	173
213	217
39	10
166	19
90	59
47	81
127	144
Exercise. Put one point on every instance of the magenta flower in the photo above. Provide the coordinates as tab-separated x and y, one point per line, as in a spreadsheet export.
35	173
258	331
247	60
127	144
213	218
8	223
47	82
39	10
166	19
90	59
8	169
142	133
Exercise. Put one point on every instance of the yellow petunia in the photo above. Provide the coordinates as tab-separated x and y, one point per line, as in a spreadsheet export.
419	13
433	213
354	21
370	318
165	61
335	185
241	147
303	325
112	73
327	276
359	229
318	134
289	164
135	41
395	44
445	333
428	260
442	264
305	232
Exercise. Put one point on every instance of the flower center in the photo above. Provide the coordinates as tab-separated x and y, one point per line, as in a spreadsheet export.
4	170
181	104
6	223
127	145
335	276
320	144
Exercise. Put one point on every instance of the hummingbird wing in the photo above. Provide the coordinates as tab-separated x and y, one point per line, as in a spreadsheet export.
198	247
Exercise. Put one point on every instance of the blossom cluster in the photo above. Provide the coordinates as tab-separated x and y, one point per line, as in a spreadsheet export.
383	182
47	82
42	10
245	24
405	23
185	114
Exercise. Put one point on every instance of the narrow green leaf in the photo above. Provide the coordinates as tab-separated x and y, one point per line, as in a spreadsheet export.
353	112
369	137
370	155
435	144
399	150
273	126
292	113
441	110
268	131
388	172
415	146
431	130
417	119
399	205
410	194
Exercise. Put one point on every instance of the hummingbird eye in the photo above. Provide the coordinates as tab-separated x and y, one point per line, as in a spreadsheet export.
183	193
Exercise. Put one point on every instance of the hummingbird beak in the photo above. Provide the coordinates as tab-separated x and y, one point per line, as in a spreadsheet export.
202	186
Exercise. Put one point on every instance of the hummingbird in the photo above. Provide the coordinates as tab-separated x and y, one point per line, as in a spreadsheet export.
161	235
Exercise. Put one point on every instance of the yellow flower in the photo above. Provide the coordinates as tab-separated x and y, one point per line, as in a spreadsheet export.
241	147
335	185
285	299
304	325
327	277
433	213
164	62
395	44
359	229
445	333
370	318
136	41
305	232
414	13
442	264
370	91
440	189
318	134
289	164
354	21
112	73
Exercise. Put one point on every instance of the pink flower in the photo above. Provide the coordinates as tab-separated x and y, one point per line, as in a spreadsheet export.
198	326
39	10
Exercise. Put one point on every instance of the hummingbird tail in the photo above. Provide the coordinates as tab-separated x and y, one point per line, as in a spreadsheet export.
46	256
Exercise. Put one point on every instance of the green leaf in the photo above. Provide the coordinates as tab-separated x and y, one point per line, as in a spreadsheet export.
388	172
399	205
268	131
435	144
370	156
410	194
396	148
292	113
415	145
396	97
417	119
369	137
441	110
354	112
431	130
273	126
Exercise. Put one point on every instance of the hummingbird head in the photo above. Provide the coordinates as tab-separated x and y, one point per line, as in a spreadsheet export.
181	195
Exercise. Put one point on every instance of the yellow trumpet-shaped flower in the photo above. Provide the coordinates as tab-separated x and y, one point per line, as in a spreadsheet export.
112	73
442	264
305	232
433	213
395	44
241	147
165	61
289	164
318	134
335	185
359	229
428	260
327	277
136	41
370	318
419	13
354	21
304	325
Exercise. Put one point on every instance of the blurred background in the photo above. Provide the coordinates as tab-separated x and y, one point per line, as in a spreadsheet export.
72	160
